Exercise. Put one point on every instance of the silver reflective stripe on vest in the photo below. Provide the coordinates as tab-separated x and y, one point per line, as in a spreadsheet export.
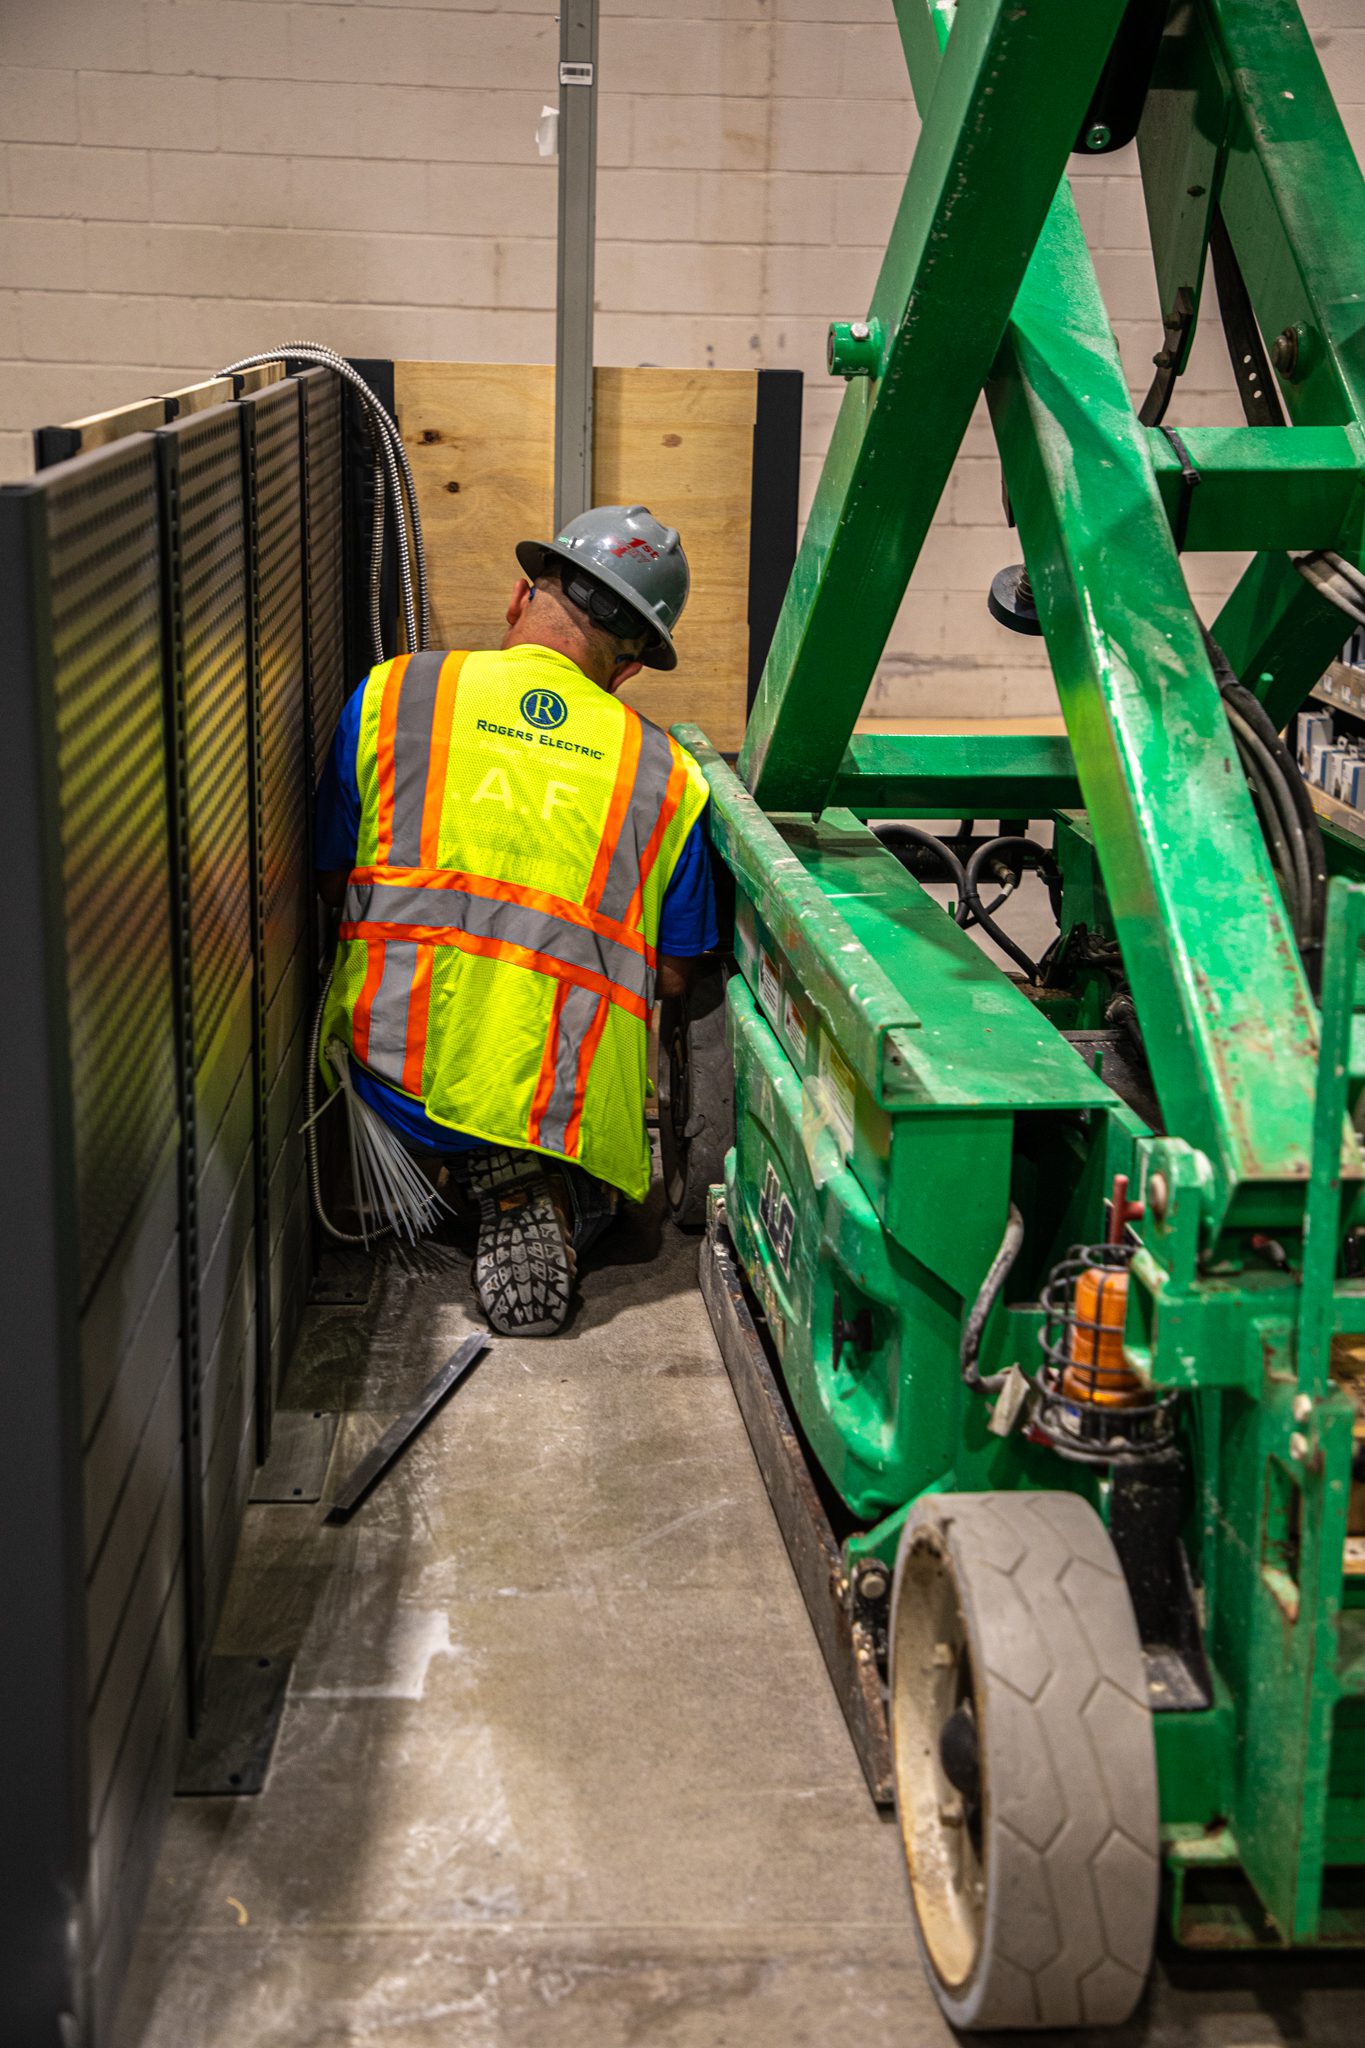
389	1010
652	771
412	755
514	924
576	1017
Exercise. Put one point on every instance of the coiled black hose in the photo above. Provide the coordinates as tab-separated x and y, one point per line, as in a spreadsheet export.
976	866
1284	807
987	1296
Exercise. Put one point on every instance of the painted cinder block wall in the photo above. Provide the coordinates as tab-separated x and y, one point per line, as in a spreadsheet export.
182	181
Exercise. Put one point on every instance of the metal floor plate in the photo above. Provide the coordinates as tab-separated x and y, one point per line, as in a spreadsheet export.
230	1755
300	1451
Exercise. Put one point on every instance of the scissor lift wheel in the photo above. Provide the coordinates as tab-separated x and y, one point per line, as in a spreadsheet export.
1024	1761
696	1095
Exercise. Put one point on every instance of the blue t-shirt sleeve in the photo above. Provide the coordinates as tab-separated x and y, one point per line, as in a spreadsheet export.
336	815
687	922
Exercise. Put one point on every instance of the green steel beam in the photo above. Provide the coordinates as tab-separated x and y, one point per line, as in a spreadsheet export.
1336	1154
1294	201
977	1045
1266	487
1181	140
956	775
1010	94
1225	1010
859	1003
925	1020
924	27
1229	1022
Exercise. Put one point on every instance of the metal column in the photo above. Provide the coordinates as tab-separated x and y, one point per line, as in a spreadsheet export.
577	238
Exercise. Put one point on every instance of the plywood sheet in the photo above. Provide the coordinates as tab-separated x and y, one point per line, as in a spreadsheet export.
480	437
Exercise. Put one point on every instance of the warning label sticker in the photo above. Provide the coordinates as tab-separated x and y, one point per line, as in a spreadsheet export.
840	1088
769	988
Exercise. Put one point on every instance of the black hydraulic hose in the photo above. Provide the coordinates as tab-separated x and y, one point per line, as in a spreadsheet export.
900	828
1283	783
1279	821
1301	822
1340	582
992	849
989	1294
391	463
1288	855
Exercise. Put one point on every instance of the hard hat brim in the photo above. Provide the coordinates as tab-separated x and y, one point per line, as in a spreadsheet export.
533	556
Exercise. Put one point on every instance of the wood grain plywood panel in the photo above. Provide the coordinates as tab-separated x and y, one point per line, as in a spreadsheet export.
480	438
679	441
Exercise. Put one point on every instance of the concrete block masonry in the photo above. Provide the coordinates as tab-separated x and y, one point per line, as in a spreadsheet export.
370	170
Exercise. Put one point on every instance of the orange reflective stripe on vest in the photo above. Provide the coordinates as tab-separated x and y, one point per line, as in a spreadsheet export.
576	1025
456	908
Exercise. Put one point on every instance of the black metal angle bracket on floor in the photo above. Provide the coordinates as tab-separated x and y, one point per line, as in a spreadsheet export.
399	1435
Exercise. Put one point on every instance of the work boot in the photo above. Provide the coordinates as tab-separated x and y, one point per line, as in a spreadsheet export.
524	1265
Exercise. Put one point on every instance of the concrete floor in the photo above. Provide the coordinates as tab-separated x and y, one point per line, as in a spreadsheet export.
560	1764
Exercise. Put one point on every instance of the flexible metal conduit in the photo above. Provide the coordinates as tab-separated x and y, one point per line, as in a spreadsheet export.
391	467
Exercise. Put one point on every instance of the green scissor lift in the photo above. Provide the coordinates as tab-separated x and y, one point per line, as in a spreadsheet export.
1097	1654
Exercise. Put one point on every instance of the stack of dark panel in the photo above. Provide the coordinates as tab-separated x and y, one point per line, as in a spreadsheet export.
174	624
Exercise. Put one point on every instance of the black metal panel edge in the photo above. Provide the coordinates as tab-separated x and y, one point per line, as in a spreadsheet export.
43	1840
312	764
265	1390
191	1366
312	767
358	503
773	505
54	444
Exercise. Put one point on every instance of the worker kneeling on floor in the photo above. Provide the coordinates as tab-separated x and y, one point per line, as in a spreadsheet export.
520	867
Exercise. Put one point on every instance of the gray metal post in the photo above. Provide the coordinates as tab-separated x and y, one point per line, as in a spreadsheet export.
577	239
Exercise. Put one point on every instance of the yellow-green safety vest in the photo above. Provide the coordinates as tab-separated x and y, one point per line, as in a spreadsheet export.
518	830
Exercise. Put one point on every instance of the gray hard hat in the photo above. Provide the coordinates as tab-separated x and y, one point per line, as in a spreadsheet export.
625	551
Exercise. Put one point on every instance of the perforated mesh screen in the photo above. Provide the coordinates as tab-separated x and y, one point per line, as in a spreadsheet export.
104	564
326	598
212	581
277	514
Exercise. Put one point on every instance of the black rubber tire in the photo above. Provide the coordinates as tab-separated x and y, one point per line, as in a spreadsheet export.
696	1094
1038	1910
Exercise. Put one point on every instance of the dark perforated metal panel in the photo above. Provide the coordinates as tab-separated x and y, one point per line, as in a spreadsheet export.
207	533
274	463
211	579
274	445
174	612
326	597
96	616
104	568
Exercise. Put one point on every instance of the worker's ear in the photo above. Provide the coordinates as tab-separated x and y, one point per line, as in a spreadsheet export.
624	673
521	597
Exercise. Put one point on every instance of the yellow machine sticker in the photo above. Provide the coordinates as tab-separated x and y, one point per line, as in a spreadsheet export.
839	1090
